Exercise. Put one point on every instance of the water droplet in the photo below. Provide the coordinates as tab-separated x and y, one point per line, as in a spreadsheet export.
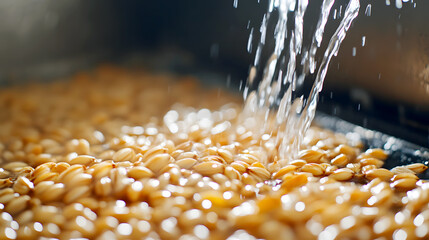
214	50
398	4
235	3
368	10
249	41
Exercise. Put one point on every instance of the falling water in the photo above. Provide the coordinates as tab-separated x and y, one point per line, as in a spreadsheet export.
275	104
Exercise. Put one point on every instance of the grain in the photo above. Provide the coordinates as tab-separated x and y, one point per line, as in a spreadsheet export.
298	163
209	168
232	173
342	174
140	172
22	185
404	183
402	169
381	173
158	161
125	154
259	172
240	166
17	205
52	194
417	167
376	153
76	193
82	160
371	161
114	154
311	156
284	170
80	146
186	163
340	160
313	168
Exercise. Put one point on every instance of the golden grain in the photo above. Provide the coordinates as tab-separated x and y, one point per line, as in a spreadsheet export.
14	165
371	161
340	160
4	173
101	169
381	173
186	163
42	187
82	160
70	171
240	166
404	176
311	156
17	205
313	168
80	146
417	167
25	217
76	193
232	173
401	169
342	174
157	161
107	165
247	158
284	170
226	155
22	185
209	168
298	163
346	150
7	197
103	187
404	183
125	154
52	194
376	153
60	167
259	172
140	172
78	179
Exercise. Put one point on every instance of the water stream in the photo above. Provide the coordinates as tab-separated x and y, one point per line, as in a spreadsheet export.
275	103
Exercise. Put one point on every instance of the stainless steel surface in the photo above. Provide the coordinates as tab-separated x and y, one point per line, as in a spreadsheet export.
400	152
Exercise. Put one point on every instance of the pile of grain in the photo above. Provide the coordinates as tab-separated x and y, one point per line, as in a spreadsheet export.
114	154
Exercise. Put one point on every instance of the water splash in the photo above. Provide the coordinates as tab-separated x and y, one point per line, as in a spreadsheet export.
273	92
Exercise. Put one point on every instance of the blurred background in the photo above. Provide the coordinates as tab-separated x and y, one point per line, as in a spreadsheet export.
379	80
